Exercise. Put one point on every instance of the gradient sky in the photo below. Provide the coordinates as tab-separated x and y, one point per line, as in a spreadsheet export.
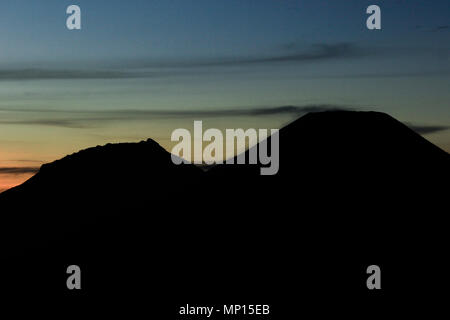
142	68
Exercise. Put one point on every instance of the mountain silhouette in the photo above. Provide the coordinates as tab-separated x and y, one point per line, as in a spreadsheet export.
353	189
103	169
326	143
317	144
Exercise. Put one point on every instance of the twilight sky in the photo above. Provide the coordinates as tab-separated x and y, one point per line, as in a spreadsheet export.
142	68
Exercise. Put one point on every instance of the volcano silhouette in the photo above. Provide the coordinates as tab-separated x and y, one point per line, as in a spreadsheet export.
353	187
326	143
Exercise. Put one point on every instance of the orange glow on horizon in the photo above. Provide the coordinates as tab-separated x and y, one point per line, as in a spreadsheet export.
8	181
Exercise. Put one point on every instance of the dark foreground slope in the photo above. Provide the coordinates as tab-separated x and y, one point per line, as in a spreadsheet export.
353	189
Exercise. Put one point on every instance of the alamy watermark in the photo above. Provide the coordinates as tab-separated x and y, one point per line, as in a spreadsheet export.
235	142
373	22
73	21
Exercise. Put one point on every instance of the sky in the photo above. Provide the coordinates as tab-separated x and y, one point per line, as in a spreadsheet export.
139	69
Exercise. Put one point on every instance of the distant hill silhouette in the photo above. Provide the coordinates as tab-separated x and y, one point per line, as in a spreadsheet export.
113	166
353	189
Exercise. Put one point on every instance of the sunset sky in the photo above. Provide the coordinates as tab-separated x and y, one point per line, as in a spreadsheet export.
139	69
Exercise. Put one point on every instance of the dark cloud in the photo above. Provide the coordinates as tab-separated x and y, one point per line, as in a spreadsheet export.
26	160
440	28
427	129
43	74
128	69
388	74
80	119
90	119
433	29
85	119
290	52
315	53
295	110
65	123
18	170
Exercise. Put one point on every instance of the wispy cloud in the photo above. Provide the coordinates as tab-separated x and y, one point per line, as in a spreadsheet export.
314	53
434	29
65	123
89	119
427	129
49	74
388	74
24	160
18	170
441	28
293	53
139	68
86	119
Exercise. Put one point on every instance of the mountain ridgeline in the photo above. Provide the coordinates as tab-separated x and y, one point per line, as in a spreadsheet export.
346	144
353	187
